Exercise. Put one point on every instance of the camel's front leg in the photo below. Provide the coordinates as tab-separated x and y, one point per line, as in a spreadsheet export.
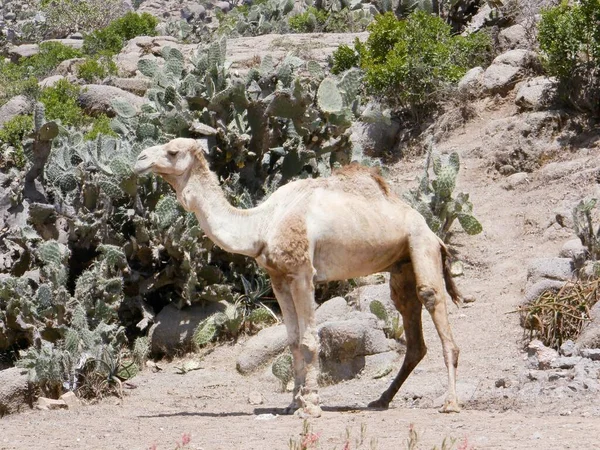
303	293
281	289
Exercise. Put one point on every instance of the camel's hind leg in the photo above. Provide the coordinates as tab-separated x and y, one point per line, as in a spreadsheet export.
404	294
426	257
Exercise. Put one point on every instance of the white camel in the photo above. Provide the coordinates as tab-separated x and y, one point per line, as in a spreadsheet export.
316	230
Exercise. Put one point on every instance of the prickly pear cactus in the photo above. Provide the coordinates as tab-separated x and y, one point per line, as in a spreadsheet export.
282	369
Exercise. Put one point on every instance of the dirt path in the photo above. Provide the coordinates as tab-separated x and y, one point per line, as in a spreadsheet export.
211	403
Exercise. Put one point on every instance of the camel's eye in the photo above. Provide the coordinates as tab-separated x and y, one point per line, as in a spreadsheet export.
171	152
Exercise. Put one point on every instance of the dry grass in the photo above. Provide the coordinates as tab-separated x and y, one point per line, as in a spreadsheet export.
555	317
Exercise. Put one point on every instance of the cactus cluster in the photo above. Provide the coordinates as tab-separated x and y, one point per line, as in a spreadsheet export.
583	225
434	199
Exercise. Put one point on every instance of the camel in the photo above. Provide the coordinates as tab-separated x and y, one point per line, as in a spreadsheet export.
316	230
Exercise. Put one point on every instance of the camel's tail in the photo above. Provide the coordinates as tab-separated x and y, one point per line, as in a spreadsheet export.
450	285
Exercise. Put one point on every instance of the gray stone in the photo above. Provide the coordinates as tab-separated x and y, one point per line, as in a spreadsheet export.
174	328
574	250
363	296
16	392
44	403
590	334
561	269
374	138
10	15
568	348
565	362
535	94
334	309
590	269
23	51
534	290
71	400
540	356
513	37
591	353
521	58
255	398
261	348
96	99
69	66
471	82
76	36
14	107
137	86
500	78
193	11
223	6
515	180
50	81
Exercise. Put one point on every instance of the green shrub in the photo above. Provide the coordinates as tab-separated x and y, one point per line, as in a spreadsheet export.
101	125
12	133
111	39
96	69
408	62
308	21
51	54
569	38
344	58
68	16
61	103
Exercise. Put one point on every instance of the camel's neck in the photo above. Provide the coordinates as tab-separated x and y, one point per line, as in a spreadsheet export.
234	230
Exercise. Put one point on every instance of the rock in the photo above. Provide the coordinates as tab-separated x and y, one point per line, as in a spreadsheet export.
71	400
565	362
471	82
590	269
77	44
540	356
76	36
334	309
68	66
364	295
16	392
591	353
96	99
513	37
223	6
23	51
574	250
506	70
515	180
590	334
503	383
261	348
193	12
137	86
174	328
10	16
44	403
535	94
560	269
536	289
50	81
255	398
14	107
568	348
374	138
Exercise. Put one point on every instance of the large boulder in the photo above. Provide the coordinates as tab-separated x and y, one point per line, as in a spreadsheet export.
471	82
14	107
16	392
97	99
558	269
507	69
173	328
590	335
514	37
375	138
262	348
69	66
23	51
535	94
136	85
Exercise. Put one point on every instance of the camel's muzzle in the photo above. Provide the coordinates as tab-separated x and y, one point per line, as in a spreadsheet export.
143	164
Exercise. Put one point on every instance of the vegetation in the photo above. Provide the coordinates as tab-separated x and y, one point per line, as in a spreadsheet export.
435	201
12	135
70	16
94	70
570	40
61	103
408	63
110	39
583	225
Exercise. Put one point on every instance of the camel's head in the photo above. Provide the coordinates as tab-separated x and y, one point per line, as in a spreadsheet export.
170	160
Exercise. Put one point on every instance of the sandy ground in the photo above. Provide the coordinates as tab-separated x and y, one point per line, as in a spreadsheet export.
212	403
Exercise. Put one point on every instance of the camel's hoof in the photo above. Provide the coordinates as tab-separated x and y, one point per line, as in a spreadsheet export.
450	407
379	404
309	410
291	409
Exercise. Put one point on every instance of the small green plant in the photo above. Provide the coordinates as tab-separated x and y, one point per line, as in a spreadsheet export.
100	126
392	327
308	21
344	58
12	135
69	16
61	103
435	201
584	227
94	70
282	369
110	40
51	54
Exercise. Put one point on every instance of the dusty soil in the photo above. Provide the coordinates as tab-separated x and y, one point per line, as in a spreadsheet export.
212	403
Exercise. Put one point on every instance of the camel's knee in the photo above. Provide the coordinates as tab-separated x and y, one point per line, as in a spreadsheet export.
309	347
453	354
428	297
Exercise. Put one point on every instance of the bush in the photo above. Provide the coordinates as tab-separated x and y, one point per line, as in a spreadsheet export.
570	41
68	16
308	21
344	58
96	69
101	125
60	102
12	133
409	62
111	39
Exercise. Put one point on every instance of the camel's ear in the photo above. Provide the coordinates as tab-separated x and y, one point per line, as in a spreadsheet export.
203	146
